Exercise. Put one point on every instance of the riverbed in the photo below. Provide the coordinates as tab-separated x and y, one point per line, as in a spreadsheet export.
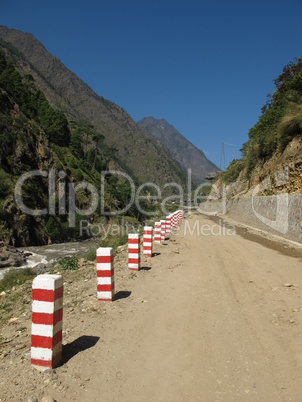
53	252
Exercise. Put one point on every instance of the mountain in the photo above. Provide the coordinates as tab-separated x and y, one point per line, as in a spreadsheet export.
57	136
182	150
136	152
44	169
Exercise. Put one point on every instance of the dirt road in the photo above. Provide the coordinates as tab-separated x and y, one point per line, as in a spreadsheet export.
209	320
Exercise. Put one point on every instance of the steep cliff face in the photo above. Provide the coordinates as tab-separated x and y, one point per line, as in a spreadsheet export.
182	150
139	153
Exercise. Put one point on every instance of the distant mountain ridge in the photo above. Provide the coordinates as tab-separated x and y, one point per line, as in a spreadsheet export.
182	150
138	153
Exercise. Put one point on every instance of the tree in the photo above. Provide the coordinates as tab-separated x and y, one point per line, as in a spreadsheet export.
76	144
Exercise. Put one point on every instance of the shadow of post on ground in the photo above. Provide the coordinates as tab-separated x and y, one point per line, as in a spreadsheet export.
144	268
155	254
122	294
78	345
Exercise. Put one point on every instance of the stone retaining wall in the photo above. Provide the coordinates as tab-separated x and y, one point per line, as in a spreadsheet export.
277	214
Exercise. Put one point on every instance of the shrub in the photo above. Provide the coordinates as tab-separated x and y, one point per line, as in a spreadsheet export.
68	264
290	126
233	171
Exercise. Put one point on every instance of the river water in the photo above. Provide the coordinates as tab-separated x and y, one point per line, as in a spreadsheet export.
53	252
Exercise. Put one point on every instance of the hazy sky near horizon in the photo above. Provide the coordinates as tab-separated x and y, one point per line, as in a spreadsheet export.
204	66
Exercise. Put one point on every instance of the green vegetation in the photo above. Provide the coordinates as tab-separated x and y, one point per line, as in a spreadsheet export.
203	191
68	264
290	126
16	277
32	103
206	190
90	255
233	171
114	241
279	123
35	136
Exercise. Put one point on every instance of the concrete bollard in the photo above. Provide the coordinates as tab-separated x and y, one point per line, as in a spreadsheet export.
172	221
105	274
168	224
134	249
162	230
147	241
157	232
47	320
177	217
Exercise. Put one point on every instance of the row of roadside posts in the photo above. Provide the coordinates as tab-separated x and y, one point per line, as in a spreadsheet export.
47	292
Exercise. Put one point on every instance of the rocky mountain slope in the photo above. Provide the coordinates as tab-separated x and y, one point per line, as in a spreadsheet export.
274	144
138	153
263	189
37	138
182	150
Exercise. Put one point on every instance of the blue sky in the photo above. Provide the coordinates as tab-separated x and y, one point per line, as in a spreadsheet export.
204	66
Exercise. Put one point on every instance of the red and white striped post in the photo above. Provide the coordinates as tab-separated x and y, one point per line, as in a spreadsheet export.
105	274
163	230
168	224
147	241
172	221
177	217
180	215
47	320
157	232
134	249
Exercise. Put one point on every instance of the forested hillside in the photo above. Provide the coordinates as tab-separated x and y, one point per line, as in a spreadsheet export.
137	152
33	136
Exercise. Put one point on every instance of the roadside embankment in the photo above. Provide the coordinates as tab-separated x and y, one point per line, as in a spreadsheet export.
279	215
